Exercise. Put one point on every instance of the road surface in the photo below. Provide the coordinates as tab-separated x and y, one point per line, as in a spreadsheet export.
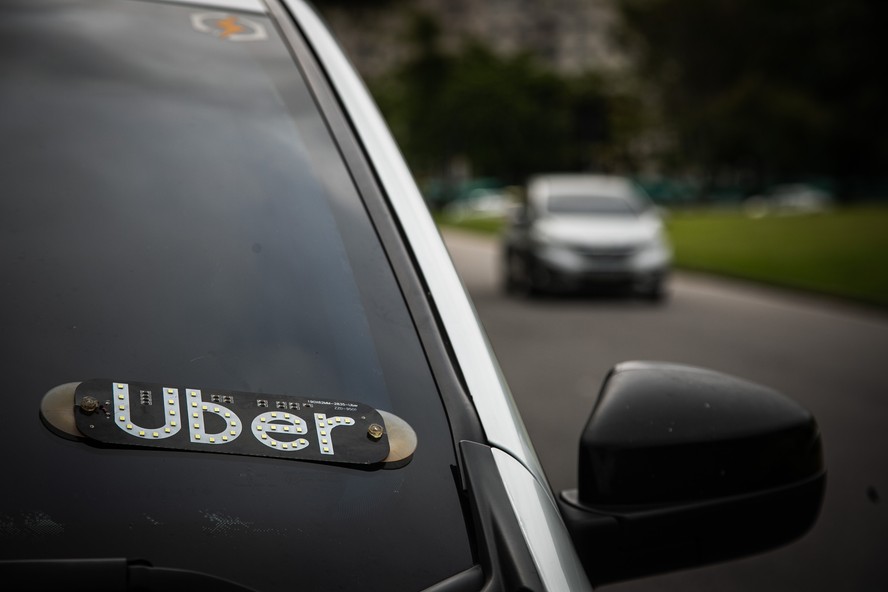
830	357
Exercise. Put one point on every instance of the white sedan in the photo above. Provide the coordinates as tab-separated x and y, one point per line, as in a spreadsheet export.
578	230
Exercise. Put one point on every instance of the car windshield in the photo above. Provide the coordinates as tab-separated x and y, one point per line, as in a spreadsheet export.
599	205
175	210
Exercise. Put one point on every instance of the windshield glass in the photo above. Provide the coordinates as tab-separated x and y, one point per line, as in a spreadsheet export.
175	211
592	205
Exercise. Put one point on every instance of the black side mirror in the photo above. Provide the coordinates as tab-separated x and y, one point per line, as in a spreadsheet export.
681	467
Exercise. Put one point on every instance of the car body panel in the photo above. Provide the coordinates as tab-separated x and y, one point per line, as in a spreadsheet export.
544	531
593	232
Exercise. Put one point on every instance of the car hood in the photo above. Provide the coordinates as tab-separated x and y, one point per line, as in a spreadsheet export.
597	231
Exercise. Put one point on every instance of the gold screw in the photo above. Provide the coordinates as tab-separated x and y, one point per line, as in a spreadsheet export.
89	404
375	431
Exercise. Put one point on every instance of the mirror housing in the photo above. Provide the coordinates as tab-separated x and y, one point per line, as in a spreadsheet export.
681	467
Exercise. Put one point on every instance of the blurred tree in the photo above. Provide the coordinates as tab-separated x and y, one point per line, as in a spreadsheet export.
410	99
506	116
767	89
611	122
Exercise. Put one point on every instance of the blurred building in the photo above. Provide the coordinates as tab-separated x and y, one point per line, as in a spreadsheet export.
570	36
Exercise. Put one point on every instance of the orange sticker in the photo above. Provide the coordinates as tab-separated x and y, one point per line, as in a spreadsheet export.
228	26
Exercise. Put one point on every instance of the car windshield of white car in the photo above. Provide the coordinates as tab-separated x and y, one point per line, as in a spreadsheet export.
593	205
176	212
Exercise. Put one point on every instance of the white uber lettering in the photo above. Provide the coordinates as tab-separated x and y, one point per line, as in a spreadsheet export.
279	430
325	426
123	418
196	407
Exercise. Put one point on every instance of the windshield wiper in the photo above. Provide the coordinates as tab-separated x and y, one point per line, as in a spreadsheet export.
107	575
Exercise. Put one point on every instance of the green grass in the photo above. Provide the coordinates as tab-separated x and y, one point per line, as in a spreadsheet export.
491	226
842	254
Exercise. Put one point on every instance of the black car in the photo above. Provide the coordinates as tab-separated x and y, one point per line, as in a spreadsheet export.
237	355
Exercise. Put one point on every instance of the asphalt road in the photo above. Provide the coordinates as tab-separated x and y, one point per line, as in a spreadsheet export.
830	357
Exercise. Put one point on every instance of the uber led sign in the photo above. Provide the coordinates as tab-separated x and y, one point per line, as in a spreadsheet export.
213	420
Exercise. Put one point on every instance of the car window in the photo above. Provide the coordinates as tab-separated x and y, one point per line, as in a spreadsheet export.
592	205
175	211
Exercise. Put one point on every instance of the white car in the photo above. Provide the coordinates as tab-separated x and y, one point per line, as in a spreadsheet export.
583	229
238	356
789	199
481	204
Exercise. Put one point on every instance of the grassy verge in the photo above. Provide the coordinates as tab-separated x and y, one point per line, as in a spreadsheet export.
491	226
843	253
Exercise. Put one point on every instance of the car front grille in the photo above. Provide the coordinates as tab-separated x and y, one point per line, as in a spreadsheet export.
613	254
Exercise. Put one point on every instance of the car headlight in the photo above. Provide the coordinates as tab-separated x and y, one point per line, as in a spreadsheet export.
657	241
543	238
654	251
